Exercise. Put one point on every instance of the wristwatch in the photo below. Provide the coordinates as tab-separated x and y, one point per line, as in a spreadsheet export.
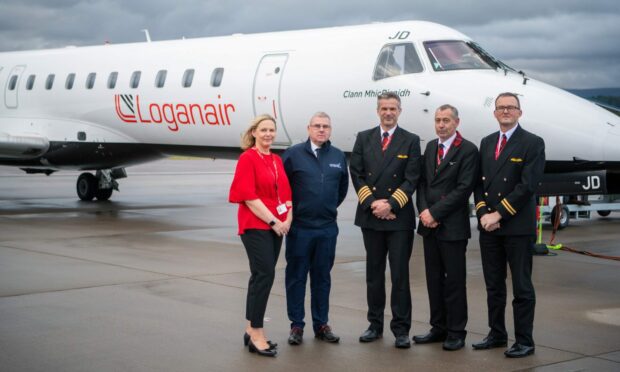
272	222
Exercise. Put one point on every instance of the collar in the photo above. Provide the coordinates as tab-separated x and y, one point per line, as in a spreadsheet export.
390	132
508	133
448	142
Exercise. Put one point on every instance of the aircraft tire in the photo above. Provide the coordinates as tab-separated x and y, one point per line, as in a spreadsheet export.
604	213
103	194
86	186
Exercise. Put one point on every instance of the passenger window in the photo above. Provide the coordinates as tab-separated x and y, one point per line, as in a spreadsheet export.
188	78
49	82
216	77
90	80
30	82
160	79
112	80
70	81
13	82
135	79
397	59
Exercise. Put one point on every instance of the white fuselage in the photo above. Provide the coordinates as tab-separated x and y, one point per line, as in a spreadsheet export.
289	75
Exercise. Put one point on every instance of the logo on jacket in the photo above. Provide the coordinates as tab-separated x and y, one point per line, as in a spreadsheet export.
336	165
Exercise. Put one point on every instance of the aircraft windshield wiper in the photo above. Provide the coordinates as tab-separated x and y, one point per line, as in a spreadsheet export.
489	58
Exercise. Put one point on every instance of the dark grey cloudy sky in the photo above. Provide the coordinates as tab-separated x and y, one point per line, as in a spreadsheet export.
568	43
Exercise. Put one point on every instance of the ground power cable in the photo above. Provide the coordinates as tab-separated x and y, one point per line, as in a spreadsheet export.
557	211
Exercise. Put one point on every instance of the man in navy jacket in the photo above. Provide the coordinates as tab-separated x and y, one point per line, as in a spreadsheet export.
317	172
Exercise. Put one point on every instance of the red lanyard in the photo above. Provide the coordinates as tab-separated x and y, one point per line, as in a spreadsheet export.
274	171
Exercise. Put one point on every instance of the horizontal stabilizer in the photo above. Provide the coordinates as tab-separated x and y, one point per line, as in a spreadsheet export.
22	146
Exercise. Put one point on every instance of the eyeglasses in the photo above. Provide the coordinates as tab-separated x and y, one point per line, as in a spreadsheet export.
509	108
319	126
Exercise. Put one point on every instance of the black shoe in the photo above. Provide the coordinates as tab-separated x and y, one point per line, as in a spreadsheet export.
246	340
370	335
296	337
325	333
519	351
430	337
267	352
402	342
490	342
453	343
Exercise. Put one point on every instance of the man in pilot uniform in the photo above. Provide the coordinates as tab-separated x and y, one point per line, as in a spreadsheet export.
449	173
385	167
512	163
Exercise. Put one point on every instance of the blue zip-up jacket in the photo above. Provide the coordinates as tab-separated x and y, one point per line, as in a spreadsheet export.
319	184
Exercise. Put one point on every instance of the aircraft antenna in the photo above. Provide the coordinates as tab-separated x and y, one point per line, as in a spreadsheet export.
148	36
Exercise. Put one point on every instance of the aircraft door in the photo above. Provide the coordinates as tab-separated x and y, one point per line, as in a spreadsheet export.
12	85
267	92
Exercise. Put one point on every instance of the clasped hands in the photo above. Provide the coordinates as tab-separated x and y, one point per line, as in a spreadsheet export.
382	209
281	228
490	221
427	219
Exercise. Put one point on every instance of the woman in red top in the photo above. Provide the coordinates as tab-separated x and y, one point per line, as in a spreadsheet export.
261	188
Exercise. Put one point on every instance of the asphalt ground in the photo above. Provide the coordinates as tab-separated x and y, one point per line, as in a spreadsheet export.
156	278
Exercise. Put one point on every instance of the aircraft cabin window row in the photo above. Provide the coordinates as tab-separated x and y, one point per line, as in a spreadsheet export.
134	82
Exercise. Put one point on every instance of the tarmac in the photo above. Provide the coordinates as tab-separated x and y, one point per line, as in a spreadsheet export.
155	280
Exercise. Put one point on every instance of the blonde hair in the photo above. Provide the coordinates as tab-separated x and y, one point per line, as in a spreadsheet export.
247	140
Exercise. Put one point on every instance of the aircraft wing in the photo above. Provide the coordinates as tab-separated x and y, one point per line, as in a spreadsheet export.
22	146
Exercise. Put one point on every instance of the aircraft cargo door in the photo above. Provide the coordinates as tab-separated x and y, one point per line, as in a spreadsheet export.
267	92
12	85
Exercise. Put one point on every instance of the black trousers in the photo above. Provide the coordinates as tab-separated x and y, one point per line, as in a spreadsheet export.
445	281
516	250
263	249
397	247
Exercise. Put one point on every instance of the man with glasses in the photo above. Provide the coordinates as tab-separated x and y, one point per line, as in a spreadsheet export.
512	163
317	172
385	167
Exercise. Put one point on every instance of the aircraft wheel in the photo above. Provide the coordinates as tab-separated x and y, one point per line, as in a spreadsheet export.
86	186
603	213
103	194
564	217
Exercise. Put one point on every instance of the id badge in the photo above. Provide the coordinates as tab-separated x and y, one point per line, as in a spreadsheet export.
281	209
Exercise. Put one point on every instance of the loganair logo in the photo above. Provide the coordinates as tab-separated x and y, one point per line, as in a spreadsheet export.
173	115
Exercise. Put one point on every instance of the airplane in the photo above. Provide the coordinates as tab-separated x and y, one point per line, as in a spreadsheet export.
100	109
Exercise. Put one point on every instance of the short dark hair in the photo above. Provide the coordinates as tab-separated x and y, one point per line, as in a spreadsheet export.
508	94
388	95
455	112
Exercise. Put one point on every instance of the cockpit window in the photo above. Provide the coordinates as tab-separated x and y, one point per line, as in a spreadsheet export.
457	55
397	59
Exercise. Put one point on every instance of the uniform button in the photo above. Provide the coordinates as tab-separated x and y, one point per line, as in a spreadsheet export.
370	174
390	190
484	178
374	188
486	194
499	194
505	179
394	176
489	209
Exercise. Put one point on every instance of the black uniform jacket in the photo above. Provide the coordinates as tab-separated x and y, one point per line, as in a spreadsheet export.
508	184
445	190
392	175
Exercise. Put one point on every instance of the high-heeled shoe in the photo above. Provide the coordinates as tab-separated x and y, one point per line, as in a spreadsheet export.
246	339
267	352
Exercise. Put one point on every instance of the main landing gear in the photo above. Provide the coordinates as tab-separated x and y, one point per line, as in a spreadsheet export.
101	185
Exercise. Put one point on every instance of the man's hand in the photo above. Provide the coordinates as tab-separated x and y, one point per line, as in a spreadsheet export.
490	221
381	208
427	219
